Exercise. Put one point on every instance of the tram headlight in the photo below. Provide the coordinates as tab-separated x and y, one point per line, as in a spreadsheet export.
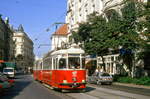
83	81
64	81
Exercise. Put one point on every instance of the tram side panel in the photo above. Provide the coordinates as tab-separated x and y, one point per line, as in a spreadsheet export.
40	75
49	77
35	74
46	76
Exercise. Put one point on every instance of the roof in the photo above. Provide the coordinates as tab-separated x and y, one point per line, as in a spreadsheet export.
63	30
71	50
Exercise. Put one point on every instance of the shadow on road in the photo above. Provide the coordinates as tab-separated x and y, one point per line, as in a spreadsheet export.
88	89
19	86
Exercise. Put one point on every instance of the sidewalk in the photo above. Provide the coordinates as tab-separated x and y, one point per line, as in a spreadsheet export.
132	85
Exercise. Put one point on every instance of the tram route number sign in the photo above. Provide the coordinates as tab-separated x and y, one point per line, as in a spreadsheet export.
74	73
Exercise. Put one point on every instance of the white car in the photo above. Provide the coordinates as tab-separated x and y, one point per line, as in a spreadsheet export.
100	78
10	72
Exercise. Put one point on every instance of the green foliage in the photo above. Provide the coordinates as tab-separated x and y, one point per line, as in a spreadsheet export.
76	37
128	28
138	81
125	80
99	33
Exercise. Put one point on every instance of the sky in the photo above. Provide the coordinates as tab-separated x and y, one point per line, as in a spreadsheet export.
36	16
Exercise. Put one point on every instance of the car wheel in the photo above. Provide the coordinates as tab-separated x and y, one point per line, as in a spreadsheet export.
98	82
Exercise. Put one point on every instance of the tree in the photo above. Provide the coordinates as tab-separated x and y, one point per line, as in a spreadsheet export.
96	36
19	57
144	29
99	33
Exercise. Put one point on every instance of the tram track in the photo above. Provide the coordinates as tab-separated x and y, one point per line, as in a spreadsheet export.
103	93
129	89
98	92
109	89
93	91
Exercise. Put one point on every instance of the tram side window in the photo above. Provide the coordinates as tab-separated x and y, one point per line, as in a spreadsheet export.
50	63
62	63
55	63
41	65
83	62
45	64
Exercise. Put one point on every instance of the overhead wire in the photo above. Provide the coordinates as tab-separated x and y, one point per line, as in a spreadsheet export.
47	30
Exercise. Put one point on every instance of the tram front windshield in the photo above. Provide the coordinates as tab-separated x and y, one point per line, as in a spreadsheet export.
74	62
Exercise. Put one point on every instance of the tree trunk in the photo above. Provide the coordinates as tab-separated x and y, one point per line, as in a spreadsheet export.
104	67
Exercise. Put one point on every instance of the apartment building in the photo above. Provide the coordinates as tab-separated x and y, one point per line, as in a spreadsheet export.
2	39
78	11
6	41
23	49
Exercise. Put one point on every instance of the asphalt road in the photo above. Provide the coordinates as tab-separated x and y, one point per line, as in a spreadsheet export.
129	89
26	88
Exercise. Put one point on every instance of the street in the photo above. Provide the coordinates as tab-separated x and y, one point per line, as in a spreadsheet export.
26	88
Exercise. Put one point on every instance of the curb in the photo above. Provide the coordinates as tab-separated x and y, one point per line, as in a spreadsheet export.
132	85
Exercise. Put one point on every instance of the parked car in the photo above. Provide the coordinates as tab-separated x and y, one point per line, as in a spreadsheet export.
1	88
5	84
100	78
4	78
9	71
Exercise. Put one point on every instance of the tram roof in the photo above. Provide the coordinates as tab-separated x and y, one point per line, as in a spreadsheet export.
71	50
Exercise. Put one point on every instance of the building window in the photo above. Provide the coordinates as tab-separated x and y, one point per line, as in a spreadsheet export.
112	58
93	5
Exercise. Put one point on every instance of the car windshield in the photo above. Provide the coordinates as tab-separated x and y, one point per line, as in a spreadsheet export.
8	70
105	74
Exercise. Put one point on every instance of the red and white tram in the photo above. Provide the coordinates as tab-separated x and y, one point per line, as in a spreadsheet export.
38	65
62	69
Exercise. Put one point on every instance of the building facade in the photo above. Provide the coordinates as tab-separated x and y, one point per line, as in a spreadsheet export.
6	39
111	62
23	49
59	38
2	39
78	11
